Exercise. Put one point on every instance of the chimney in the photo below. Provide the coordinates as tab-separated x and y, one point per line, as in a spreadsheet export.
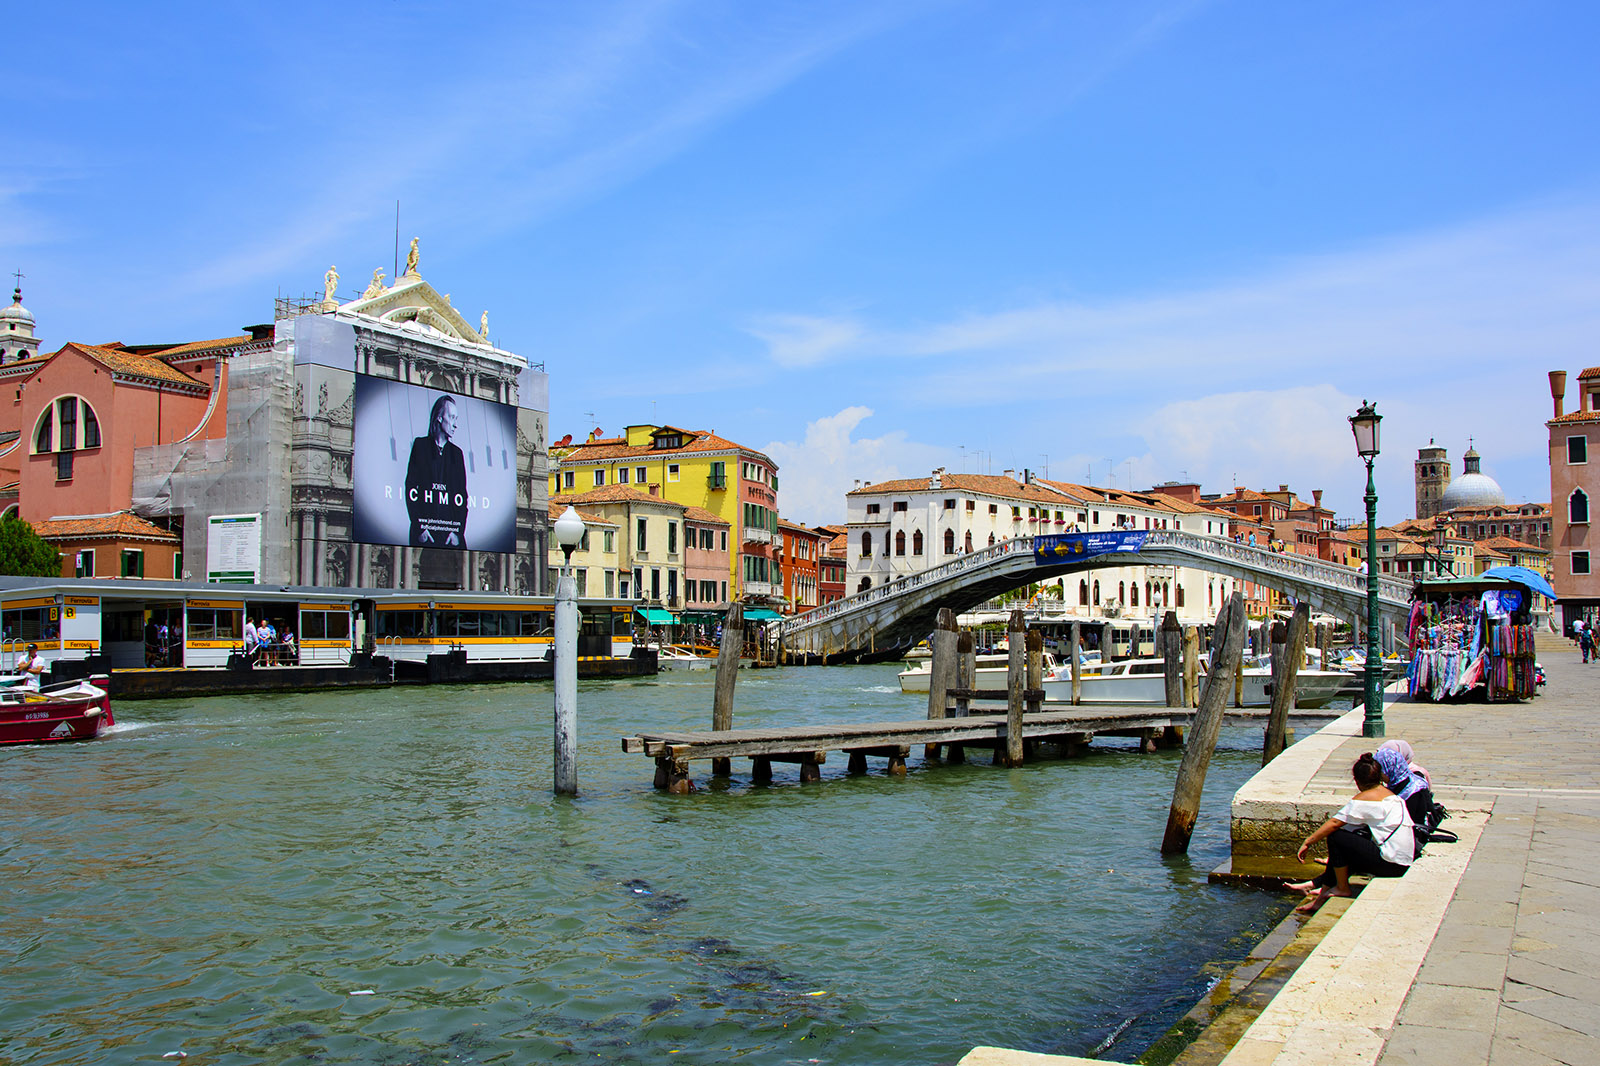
858	483
1283	488
1558	389
1012	474
1316	497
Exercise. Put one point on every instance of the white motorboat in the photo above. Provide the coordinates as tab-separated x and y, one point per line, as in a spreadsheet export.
992	671
1143	681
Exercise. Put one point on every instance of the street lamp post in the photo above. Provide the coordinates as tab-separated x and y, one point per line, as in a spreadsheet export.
569	532
1364	424
1441	537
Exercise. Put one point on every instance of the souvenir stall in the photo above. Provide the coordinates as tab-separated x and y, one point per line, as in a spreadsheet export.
1472	638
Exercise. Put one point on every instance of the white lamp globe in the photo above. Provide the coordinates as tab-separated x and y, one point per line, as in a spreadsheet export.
569	529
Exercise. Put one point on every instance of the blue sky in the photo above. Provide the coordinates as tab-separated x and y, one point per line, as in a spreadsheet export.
1142	241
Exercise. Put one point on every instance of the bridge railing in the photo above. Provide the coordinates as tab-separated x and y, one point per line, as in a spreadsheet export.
896	586
1261	560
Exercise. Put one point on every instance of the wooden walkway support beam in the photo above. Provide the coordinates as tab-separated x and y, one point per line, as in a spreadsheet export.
1016	682
1077	663
1191	781
941	670
966	679
1171	645
1283	683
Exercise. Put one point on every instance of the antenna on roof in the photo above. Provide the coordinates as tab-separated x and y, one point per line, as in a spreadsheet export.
396	273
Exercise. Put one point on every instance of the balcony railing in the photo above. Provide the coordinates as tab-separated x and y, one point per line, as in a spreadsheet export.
757	535
716	481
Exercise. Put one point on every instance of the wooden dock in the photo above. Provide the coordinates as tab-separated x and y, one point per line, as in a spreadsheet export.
1069	728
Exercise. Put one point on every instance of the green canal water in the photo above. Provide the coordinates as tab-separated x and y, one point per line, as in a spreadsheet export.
223	877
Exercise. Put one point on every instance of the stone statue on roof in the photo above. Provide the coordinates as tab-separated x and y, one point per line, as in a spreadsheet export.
483	326
411	260
376	288
330	283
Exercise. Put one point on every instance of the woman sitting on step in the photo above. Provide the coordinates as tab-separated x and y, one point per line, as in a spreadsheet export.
1403	781
1371	834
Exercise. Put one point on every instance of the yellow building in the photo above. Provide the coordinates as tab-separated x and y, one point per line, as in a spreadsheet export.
595	561
695	468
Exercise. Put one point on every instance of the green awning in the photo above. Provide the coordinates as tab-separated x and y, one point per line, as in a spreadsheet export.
760	614
656	616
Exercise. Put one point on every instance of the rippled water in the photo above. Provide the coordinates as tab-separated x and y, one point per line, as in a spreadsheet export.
222	876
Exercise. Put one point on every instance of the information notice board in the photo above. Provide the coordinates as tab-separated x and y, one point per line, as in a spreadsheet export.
233	549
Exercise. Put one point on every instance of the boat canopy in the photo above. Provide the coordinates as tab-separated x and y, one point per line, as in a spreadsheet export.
760	614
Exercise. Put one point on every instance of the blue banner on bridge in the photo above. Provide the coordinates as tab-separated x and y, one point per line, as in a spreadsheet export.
1068	547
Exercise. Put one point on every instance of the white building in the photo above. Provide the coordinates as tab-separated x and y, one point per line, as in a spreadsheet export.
908	525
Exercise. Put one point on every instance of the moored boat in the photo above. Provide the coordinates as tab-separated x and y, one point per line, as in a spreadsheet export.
77	711
992	670
1143	681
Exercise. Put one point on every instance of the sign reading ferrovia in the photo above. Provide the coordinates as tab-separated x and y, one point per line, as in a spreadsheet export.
233	549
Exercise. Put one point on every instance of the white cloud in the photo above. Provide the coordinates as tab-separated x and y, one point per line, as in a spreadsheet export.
815	473
804	340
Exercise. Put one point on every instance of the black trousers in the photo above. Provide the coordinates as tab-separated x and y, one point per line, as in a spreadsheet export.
1353	848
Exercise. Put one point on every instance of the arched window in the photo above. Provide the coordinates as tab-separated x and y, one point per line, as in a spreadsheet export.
1147	597
969	540
67	424
949	542
900	542
1097	590
916	543
866	583
1122	592
1083	593
866	544
1211	594
1578	507
1180	595
1135	601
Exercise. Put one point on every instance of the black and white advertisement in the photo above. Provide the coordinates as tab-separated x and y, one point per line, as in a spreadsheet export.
433	469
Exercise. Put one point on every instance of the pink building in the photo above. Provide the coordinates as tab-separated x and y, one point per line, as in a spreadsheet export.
1573	486
705	560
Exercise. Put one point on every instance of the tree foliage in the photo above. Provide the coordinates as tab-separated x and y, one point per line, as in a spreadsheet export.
23	552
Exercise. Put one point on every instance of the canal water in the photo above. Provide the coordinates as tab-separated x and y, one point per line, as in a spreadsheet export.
385	877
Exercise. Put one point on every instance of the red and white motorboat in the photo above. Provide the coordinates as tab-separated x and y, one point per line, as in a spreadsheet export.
77	711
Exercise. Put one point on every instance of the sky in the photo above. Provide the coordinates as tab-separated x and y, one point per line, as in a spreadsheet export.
1111	243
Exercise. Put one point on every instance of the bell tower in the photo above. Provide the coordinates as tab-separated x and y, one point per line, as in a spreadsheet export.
1433	477
17	341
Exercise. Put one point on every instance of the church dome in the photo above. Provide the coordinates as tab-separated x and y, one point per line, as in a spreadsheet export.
16	314
1473	488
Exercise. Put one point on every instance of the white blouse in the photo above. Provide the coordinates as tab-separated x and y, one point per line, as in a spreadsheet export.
1390	823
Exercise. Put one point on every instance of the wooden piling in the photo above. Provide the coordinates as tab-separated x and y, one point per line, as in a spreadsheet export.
1292	653
941	670
1035	650
727	677
966	680
1324	646
1203	733
1191	666
1171	645
1016	678
1077	664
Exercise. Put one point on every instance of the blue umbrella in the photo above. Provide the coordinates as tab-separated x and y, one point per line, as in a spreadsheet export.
1522	576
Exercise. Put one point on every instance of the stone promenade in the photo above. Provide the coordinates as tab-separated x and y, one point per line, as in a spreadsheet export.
1487	951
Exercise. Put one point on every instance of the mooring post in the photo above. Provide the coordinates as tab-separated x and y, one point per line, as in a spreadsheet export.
1280	634
941	671
1191	666
1035	649
966	679
1172	651
1016	681
727	676
1324	646
1293	652
1077	664
1203	733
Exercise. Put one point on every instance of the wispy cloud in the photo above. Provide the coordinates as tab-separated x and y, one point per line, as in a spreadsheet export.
819	469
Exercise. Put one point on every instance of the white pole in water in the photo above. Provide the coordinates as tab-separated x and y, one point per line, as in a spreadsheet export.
569	532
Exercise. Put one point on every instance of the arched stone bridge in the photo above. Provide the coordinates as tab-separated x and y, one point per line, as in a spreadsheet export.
901	612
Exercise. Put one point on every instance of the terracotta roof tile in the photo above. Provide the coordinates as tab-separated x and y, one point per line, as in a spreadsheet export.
592	519
696	441
609	494
195	347
1592	372
704	517
139	366
1575	416
102	526
1508	544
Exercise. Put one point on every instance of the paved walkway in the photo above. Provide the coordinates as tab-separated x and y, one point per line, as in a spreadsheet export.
1489	953
1513	975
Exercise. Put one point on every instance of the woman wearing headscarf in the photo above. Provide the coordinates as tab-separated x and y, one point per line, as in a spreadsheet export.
1410	757
1371	834
1403	781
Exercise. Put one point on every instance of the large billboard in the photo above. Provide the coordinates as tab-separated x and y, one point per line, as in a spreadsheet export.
433	469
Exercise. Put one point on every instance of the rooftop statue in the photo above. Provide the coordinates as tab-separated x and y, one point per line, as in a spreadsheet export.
483	326
411	260
376	288
330	283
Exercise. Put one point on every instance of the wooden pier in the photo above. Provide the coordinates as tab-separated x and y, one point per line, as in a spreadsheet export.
1070	728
